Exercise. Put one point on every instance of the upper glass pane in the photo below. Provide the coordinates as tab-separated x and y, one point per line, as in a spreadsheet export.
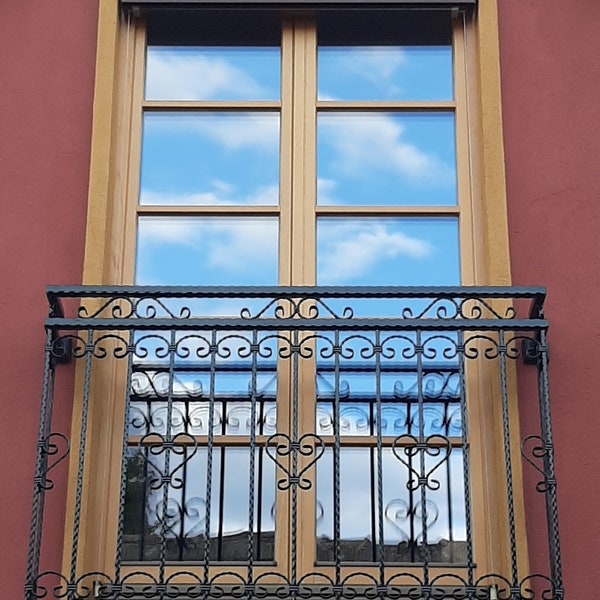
385	73
385	56
213	56
386	158
212	73
210	158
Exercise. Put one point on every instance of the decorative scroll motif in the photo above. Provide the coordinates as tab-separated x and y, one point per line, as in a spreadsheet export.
458	308
303	306
157	445
535	451
186	583
280	446
206	464
126	308
54	445
306	308
401	515
407	448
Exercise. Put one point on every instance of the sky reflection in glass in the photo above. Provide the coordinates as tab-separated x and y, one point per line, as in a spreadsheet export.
207	251
386	159
385	73
212	73
210	158
387	251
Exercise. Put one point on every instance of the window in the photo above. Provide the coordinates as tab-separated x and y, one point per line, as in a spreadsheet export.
294	149
297	149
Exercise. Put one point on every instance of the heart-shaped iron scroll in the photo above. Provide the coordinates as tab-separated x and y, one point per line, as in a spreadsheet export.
407	447
281	445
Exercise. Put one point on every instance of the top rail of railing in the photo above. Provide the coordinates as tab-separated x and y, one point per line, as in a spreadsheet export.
297	307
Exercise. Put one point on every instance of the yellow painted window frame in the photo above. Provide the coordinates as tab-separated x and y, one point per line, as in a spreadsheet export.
114	169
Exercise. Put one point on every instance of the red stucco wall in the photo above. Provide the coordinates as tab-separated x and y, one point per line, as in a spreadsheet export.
550	53
550	65
47	54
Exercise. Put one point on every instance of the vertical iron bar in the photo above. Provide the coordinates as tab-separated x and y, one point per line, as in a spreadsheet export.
379	450
144	516
422	453
449	479
294	465
167	466
222	472
550	492
252	459
41	465
336	457
183	510
89	353
209	456
508	460
259	505
411	493
124	448
464	436
373	495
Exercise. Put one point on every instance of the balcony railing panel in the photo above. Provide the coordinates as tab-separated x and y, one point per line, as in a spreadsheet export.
257	427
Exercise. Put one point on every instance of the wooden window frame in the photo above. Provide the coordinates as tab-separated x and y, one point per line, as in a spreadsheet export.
113	176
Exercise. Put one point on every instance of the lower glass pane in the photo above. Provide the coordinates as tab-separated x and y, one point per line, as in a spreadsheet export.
387	251
207	251
411	522
166	508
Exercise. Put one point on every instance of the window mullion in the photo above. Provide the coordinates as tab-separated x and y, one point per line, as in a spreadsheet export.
303	269
304	152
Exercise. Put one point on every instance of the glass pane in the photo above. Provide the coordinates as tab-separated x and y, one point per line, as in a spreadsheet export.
366	382
212	73
420	521
239	376
166	503
391	55
387	251
385	73
386	159
210	158
207	251
355	506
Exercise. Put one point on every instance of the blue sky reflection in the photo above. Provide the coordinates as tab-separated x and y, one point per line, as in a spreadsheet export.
385	73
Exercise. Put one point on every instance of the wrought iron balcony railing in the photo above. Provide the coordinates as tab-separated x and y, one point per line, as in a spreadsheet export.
295	442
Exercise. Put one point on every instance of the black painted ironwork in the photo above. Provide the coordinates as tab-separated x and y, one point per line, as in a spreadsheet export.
345	408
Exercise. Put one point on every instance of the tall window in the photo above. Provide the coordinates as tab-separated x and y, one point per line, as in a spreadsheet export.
303	149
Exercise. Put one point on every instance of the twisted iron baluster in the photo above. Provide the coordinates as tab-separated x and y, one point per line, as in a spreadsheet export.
294	466
251	482
124	447
41	465
167	467
508	461
465	457
550	491
422	453
379	451
209	459
336	459
89	352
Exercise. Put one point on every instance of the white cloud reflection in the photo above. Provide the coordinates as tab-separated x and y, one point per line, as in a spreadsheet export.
369	143
207	250
191	74
351	250
230	130
377	65
221	193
